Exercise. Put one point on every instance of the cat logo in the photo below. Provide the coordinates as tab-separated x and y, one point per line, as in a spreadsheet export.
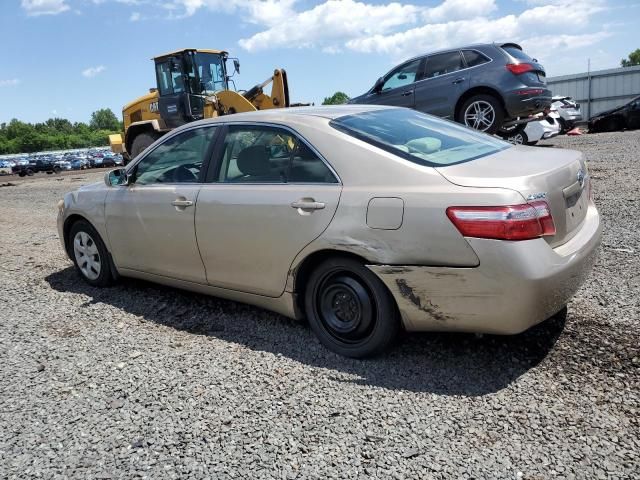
153	107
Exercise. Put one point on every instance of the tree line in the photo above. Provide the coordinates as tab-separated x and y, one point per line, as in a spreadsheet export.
58	133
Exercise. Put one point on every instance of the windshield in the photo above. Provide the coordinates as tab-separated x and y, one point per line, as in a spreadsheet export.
211	72
417	137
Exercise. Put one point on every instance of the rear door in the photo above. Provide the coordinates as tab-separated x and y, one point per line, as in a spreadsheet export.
270	195
399	85
443	82
150	223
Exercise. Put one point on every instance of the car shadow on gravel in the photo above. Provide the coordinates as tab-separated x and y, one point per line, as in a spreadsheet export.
440	363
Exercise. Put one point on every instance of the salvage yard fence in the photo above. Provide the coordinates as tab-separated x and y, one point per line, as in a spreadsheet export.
600	90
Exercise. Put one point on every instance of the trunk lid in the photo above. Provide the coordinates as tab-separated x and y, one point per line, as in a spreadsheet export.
558	177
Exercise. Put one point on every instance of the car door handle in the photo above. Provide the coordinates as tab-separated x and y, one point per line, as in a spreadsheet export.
308	205
407	93
458	80
182	203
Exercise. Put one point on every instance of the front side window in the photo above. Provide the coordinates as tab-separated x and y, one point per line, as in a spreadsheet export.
417	137
262	154
401	76
177	160
443	63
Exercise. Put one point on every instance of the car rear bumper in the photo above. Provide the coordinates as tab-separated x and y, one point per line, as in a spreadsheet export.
516	285
523	105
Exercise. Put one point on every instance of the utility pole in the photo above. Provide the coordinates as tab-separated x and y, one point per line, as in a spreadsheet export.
588	88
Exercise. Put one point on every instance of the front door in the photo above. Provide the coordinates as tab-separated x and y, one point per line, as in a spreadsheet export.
398	86
173	100
269	197
442	84
150	222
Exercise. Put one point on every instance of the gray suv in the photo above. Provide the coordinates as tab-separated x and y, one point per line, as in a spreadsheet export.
487	87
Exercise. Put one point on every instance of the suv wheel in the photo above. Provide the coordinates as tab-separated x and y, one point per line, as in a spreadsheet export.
483	113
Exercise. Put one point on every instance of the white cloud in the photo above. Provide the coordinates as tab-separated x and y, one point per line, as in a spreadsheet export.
135	16
12	82
44	7
93	71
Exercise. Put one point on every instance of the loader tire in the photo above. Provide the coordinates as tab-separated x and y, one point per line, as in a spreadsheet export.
141	142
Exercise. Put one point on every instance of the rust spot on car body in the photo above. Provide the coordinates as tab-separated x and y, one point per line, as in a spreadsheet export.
407	292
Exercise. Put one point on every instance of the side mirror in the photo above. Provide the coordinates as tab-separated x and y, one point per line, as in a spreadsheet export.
236	65
377	88
116	177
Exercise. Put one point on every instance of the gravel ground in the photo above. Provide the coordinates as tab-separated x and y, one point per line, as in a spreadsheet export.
145	381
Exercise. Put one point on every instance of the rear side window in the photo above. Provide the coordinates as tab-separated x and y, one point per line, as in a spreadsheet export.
265	154
417	137
474	58
516	53
443	63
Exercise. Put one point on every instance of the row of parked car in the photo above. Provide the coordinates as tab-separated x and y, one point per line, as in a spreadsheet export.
50	163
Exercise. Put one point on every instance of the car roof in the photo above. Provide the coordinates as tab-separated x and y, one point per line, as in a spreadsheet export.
465	47
291	114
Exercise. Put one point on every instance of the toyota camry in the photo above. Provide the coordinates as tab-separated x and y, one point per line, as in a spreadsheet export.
362	219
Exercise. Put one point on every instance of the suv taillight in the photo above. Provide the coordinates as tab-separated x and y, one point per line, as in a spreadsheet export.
510	222
519	68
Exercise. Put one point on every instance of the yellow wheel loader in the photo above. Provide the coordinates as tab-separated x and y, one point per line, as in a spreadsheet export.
191	85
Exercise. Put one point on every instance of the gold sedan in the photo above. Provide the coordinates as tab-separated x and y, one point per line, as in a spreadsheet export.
362	219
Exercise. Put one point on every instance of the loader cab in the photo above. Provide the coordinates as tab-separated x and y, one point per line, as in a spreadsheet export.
185	78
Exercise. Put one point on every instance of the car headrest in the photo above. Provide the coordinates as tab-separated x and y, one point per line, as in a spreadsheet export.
424	145
254	161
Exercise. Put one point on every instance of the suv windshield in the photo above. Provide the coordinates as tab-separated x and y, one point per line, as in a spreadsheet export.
417	137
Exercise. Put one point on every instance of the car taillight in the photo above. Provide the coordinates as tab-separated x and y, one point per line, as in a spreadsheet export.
519	68
510	222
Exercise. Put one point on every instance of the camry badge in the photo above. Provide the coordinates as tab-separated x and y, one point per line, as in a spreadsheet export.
537	196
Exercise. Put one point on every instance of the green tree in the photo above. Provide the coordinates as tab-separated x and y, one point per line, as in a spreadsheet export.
104	119
337	98
634	59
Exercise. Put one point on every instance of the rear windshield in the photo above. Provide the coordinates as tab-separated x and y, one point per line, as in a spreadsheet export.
517	54
418	137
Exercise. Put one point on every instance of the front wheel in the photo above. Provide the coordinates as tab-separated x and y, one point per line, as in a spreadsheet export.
483	113
349	309
89	254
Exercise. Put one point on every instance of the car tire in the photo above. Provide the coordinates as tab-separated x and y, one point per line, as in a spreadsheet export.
519	139
30	172
490	109
89	254
141	142
349	308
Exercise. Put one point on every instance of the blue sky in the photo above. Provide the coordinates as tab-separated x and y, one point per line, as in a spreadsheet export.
67	58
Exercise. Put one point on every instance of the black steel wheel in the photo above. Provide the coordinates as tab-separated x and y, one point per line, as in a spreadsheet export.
350	309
